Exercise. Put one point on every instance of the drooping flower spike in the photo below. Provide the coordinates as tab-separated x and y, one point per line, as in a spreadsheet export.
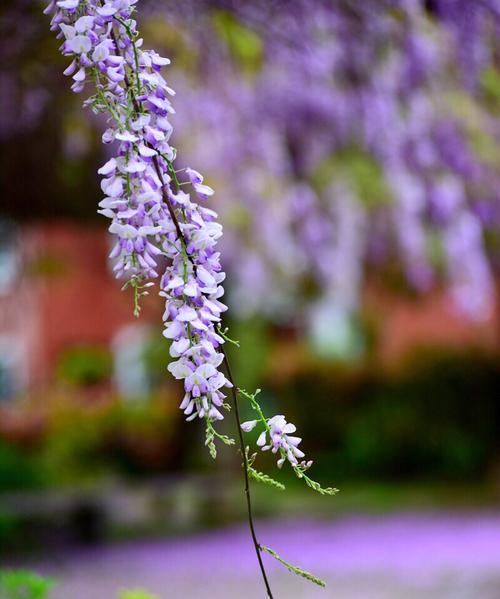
278	438
152	216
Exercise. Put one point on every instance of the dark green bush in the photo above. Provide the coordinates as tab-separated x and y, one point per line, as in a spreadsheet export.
22	584
18	469
85	365
438	417
136	594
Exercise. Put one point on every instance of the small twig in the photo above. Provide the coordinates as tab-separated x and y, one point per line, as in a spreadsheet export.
294	569
258	547
138	108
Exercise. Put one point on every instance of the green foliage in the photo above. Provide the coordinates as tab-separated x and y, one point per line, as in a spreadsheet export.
490	83
359	170
209	440
47	264
314	485
22	584
243	43
140	290
211	434
85	365
294	569
224	334
10	529
155	357
164	34
265	479
83	441
298	469
260	476
249	364
72	447
436	418
136	594
18	469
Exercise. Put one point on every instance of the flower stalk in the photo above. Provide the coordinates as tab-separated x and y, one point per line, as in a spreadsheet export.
152	217
246	469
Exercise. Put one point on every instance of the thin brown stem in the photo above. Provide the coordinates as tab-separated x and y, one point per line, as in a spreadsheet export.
245	473
138	108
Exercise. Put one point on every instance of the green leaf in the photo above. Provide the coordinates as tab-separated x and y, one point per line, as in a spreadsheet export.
295	569
314	485
211	434
243	43
223	333
23	584
490	82
359	170
264	478
136	594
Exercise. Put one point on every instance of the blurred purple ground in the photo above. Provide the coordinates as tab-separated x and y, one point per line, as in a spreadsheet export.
410	555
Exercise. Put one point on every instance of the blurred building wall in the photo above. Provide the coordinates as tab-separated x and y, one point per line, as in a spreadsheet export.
430	320
63	295
57	292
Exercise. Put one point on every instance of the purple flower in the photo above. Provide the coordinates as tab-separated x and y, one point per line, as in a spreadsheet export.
277	437
249	425
151	217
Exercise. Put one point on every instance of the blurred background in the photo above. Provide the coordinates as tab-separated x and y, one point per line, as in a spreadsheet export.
354	150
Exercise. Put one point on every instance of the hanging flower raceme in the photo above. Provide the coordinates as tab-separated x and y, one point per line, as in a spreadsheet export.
151	215
278	438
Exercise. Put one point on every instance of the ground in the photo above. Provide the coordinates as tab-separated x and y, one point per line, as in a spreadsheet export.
431	555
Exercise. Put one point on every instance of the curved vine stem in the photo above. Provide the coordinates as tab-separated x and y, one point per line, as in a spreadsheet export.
258	549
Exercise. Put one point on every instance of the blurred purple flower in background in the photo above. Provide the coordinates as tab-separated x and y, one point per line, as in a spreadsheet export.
354	150
299	125
151	215
388	122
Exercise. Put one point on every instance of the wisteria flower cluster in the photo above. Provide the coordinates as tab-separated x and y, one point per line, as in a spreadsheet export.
411	109
155	219
276	435
279	431
384	132
151	214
